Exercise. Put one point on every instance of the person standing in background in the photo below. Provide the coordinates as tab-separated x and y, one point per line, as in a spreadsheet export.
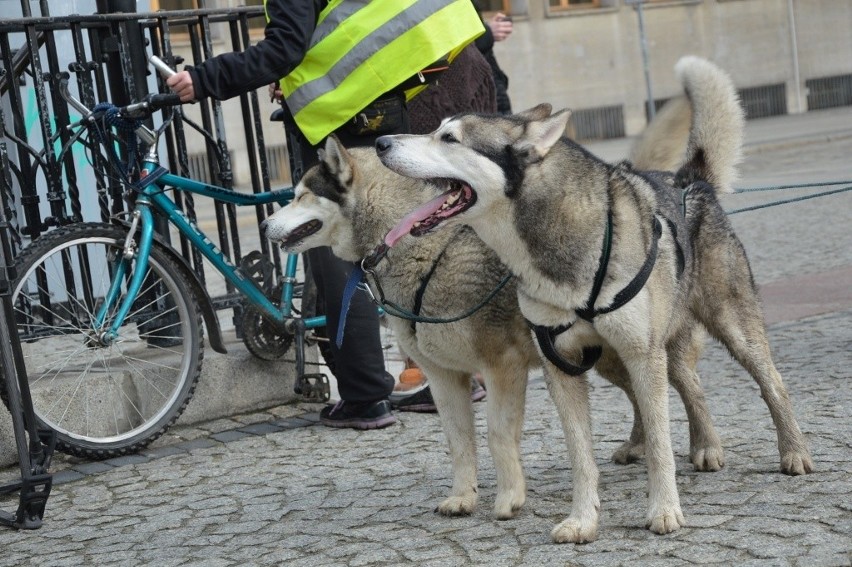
497	28
341	66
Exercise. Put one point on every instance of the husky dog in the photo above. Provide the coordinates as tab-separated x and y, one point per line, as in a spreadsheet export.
350	201
612	262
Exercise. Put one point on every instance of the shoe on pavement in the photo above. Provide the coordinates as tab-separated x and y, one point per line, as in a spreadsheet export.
420	400
358	415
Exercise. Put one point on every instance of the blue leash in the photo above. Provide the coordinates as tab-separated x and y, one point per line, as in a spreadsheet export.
356	276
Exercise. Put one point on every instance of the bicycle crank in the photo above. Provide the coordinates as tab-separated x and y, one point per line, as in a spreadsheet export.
264	338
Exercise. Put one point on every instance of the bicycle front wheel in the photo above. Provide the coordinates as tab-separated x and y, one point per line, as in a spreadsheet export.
104	397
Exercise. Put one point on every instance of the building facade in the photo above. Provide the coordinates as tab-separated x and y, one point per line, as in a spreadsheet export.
785	56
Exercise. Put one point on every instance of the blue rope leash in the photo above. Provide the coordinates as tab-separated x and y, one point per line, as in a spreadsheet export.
110	118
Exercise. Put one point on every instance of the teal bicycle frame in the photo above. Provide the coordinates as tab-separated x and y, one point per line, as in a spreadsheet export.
153	195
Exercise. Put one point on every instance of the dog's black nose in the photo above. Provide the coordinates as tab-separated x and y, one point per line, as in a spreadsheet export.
383	144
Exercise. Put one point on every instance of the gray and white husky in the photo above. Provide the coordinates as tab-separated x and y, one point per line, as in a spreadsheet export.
350	202
631	263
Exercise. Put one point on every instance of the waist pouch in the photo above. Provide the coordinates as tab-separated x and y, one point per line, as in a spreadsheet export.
384	115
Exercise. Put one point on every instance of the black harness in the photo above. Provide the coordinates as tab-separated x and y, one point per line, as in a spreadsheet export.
357	279
591	354
424	281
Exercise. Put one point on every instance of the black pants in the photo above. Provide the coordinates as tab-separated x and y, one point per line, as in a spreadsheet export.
359	364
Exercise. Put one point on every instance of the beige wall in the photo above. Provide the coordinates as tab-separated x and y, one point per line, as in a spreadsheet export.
593	58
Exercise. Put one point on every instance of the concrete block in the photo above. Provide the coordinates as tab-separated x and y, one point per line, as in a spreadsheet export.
232	383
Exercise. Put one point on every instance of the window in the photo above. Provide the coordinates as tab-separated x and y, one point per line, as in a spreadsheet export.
170	5
491	6
568	4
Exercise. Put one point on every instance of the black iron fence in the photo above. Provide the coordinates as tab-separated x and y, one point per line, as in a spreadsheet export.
105	55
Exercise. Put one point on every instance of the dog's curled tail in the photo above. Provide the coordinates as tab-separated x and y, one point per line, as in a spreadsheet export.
715	140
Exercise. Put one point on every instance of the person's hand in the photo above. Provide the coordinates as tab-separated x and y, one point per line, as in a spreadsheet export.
275	94
181	84
501	26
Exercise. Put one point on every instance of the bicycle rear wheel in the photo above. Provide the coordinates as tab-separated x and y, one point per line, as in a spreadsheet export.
104	398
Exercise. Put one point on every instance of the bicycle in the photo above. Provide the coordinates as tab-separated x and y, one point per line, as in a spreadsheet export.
109	315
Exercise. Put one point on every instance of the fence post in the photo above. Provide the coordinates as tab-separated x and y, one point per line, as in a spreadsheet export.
33	456
126	69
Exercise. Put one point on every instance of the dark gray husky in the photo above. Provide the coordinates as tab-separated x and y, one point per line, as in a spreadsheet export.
614	266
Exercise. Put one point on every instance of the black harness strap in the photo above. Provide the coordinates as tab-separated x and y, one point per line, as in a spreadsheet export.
378	253
637	283
588	312
545	335
424	281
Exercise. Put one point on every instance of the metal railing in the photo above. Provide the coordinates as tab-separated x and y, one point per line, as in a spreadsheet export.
43	186
106	56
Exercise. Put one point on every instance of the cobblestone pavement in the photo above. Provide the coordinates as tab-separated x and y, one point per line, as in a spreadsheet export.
274	488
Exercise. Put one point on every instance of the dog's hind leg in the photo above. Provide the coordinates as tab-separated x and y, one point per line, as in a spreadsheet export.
706	452
506	384
684	350
726	301
737	321
611	369
634	448
451	392
571	396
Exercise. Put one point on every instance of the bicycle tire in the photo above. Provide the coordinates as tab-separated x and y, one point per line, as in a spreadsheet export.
104	400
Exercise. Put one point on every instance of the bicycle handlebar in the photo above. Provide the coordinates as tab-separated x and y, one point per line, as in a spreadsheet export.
141	109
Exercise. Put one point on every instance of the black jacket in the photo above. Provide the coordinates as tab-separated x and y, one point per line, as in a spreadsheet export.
285	42
485	44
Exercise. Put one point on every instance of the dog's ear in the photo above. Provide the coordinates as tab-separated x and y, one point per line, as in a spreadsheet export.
542	134
338	160
539	112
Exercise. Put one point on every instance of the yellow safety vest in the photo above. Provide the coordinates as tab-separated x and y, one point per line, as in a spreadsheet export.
362	49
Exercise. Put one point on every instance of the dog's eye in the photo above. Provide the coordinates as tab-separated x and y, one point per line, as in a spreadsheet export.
449	138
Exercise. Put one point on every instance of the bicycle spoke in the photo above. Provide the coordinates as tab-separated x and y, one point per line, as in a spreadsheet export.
104	394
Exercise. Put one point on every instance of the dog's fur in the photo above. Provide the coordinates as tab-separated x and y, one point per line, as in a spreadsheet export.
541	202
350	201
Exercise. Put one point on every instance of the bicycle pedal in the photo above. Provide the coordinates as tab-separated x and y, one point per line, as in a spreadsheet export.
313	388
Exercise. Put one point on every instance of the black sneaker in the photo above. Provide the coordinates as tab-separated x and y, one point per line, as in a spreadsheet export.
421	399
358	415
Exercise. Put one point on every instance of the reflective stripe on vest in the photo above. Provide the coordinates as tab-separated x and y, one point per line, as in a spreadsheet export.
362	49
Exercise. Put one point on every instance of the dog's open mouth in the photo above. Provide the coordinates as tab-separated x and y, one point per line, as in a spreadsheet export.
425	218
301	232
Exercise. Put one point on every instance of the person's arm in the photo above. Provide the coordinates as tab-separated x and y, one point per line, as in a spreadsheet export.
485	42
286	39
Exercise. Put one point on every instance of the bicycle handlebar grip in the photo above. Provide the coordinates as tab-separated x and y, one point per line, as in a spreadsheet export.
161	66
164	100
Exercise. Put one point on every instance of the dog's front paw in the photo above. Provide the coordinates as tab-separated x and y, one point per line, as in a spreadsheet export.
708	459
629	452
508	503
796	463
572	530
457	505
665	521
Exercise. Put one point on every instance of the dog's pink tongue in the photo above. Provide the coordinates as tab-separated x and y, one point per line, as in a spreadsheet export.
407	223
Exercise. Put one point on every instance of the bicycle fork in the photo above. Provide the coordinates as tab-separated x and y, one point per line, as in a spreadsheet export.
129	253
